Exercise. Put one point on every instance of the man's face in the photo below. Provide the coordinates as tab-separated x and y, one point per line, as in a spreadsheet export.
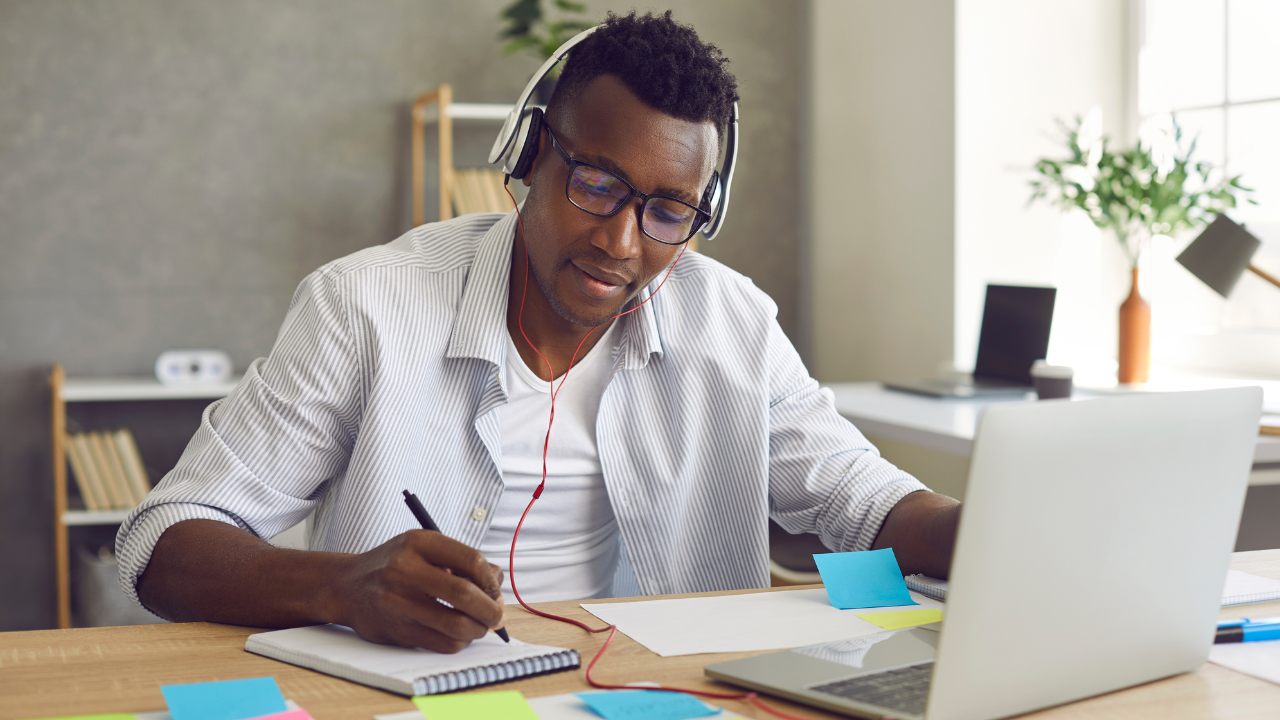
587	266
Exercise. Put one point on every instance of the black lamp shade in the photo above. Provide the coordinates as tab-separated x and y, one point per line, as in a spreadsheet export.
1220	255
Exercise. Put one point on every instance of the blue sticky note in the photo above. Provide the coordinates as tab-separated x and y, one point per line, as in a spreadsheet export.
225	700
645	705
866	579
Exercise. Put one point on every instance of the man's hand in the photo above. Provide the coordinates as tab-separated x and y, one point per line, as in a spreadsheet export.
204	570
391	593
921	529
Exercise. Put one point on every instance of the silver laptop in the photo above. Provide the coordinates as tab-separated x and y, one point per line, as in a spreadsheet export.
1092	554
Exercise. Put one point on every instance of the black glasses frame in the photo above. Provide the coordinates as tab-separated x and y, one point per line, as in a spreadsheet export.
702	216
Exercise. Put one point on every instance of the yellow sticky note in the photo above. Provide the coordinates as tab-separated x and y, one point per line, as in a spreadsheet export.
503	705
903	618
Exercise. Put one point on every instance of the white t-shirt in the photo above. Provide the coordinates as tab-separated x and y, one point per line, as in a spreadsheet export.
568	547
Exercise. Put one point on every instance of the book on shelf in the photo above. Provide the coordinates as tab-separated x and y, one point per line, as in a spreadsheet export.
108	469
98	450
89	489
478	190
92	473
119	476
135	470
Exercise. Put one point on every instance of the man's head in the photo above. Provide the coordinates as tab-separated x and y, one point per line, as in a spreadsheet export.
644	99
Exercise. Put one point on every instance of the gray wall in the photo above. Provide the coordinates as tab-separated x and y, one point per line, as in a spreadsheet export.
169	171
883	188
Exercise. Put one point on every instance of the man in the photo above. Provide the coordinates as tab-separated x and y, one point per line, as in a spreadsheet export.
425	365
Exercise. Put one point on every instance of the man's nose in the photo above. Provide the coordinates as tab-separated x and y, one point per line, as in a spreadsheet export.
622	238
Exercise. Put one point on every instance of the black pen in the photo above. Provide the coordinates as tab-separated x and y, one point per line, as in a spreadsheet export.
424	519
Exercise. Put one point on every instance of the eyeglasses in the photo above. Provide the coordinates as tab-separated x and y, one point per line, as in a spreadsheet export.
600	192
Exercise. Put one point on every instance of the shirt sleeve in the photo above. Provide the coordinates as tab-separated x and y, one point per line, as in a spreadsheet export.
263	457
824	476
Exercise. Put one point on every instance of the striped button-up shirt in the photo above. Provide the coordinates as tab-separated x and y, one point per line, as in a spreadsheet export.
388	373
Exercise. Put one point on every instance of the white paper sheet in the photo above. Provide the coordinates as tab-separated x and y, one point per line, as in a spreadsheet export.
739	623
1259	659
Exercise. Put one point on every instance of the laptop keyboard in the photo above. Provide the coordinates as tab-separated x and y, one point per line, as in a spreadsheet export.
904	689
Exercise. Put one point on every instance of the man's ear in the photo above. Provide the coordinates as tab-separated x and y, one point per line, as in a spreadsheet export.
537	159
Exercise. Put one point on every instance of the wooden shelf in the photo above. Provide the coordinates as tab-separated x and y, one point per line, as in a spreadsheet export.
94	517
437	107
139	388
465	111
63	390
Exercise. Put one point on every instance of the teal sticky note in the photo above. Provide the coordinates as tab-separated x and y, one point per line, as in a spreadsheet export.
225	700
645	705
866	579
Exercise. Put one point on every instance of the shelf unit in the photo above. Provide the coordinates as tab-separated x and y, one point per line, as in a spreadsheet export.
437	106
65	390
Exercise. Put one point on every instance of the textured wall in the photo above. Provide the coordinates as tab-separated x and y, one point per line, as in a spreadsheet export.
883	180
170	169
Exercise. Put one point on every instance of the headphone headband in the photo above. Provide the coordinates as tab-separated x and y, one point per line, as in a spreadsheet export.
517	142
508	132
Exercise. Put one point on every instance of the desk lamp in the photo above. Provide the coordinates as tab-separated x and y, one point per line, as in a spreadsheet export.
1221	255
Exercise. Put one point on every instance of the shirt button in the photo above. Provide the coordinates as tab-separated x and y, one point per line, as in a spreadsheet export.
479	513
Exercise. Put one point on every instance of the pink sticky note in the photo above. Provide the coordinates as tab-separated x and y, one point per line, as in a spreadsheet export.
298	714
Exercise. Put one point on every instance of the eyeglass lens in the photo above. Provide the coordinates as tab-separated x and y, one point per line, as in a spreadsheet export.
663	219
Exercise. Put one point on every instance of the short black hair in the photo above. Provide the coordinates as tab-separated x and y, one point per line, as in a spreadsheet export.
661	61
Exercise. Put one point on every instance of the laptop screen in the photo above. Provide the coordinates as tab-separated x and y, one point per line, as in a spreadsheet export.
1015	331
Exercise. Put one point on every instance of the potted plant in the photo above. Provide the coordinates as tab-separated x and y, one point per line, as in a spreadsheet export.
529	28
1153	188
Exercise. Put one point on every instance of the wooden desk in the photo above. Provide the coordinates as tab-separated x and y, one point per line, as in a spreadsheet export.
48	673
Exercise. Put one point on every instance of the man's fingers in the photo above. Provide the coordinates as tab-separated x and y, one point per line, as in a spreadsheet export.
420	580
448	623
497	576
462	560
414	628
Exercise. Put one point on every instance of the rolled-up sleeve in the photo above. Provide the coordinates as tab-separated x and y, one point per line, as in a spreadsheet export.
824	476
262	457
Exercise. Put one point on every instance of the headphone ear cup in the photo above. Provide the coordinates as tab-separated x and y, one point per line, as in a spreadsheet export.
527	145
711	197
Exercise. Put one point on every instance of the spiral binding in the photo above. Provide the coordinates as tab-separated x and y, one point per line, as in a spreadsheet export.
501	672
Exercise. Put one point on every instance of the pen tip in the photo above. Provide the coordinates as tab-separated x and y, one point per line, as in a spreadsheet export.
502	633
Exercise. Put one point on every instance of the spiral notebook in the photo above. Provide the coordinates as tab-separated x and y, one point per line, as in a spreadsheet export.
1242	588
338	651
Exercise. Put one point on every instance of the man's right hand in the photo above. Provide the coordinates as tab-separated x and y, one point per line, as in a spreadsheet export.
205	570
392	593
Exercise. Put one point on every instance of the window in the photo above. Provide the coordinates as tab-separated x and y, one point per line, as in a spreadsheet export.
1214	65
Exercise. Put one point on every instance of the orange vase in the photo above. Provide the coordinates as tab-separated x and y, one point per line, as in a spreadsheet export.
1135	337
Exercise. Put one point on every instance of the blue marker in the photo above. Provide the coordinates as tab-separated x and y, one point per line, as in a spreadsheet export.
1246	630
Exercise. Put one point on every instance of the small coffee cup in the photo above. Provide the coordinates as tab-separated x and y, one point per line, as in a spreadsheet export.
1051	381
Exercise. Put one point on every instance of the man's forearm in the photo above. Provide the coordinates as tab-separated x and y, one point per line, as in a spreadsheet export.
211	571
921	529
418	589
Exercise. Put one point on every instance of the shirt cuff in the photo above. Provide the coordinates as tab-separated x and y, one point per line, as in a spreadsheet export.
878	508
139	535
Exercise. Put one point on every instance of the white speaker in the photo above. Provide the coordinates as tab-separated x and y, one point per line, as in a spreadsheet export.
191	367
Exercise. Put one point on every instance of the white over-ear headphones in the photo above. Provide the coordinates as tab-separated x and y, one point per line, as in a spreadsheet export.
517	142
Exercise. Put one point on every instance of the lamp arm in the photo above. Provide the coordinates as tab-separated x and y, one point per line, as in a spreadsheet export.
1265	275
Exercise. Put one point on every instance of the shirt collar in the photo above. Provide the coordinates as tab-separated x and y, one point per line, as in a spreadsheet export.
480	328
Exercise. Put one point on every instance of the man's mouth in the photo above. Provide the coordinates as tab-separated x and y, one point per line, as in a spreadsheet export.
597	282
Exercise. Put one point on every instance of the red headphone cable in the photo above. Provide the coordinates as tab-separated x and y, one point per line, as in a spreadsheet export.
750	697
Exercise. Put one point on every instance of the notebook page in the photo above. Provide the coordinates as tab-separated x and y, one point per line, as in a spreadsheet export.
339	651
1244	588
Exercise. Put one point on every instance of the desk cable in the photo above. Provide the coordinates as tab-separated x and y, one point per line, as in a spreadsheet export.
750	697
